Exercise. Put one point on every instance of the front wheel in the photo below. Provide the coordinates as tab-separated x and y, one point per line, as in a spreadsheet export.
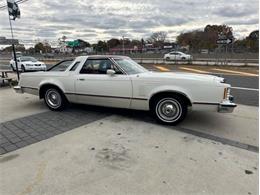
23	68
55	99
170	110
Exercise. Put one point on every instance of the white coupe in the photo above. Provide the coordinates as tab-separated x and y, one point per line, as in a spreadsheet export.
27	63
177	55
118	81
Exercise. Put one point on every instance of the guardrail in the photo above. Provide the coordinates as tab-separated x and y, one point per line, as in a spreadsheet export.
201	61
197	61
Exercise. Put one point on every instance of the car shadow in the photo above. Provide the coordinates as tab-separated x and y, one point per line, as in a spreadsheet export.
146	116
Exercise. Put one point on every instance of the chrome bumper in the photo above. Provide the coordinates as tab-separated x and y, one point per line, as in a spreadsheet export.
18	89
226	107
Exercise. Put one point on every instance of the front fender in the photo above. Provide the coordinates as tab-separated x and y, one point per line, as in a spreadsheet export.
170	88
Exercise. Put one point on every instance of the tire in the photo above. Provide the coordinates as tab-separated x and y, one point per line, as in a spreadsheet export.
183	58
169	110
23	68
55	99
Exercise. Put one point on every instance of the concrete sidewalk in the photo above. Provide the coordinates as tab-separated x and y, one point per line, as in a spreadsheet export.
116	155
130	154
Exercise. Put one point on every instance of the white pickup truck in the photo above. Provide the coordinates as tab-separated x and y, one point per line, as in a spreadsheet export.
118	81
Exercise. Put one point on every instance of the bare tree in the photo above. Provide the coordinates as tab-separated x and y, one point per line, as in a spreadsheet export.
158	37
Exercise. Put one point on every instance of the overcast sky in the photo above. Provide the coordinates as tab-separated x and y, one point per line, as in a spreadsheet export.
92	20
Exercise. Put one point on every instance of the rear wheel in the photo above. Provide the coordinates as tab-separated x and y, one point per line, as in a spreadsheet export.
169	109
55	99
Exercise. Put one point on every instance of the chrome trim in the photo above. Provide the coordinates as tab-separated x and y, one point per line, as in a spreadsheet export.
117	65
226	107
18	89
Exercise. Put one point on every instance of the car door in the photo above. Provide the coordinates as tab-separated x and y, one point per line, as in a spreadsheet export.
172	56
94	86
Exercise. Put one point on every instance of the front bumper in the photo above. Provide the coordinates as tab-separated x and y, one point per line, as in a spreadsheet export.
18	89
226	106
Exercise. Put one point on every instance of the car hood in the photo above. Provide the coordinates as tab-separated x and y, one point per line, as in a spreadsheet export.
182	75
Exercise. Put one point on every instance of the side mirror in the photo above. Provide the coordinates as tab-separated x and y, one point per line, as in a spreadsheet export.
110	72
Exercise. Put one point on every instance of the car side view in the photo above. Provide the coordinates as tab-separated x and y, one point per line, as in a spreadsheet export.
177	55
118	81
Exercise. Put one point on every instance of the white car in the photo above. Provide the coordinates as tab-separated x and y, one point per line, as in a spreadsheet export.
118	81
177	55
27	63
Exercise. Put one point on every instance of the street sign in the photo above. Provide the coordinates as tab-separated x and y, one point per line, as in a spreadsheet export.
224	41
74	43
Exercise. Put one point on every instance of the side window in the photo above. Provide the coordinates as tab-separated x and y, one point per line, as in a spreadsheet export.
74	67
96	66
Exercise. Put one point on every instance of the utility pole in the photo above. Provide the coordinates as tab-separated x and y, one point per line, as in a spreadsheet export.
14	53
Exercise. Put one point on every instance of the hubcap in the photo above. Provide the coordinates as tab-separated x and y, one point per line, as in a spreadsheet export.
53	98
168	110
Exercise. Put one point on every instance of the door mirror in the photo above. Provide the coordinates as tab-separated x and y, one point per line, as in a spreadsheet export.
110	72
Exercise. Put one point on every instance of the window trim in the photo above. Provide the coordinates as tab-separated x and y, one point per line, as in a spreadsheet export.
77	63
100	58
60	63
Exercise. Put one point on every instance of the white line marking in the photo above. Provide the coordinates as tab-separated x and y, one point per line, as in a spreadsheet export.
194	70
243	88
237	72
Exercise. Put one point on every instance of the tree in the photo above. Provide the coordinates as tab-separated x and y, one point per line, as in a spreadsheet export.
113	43
83	44
253	41
157	37
101	46
40	47
205	39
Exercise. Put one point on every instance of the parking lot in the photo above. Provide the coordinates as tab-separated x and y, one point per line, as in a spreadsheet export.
95	150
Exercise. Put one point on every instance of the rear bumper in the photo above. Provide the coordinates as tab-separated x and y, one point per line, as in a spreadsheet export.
226	107
18	89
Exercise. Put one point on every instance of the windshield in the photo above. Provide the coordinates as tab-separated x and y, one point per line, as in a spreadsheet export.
130	66
23	59
61	66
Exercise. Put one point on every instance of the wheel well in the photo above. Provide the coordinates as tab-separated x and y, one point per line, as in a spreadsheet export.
45	87
168	93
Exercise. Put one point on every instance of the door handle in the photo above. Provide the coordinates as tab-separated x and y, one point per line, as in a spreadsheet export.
81	79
